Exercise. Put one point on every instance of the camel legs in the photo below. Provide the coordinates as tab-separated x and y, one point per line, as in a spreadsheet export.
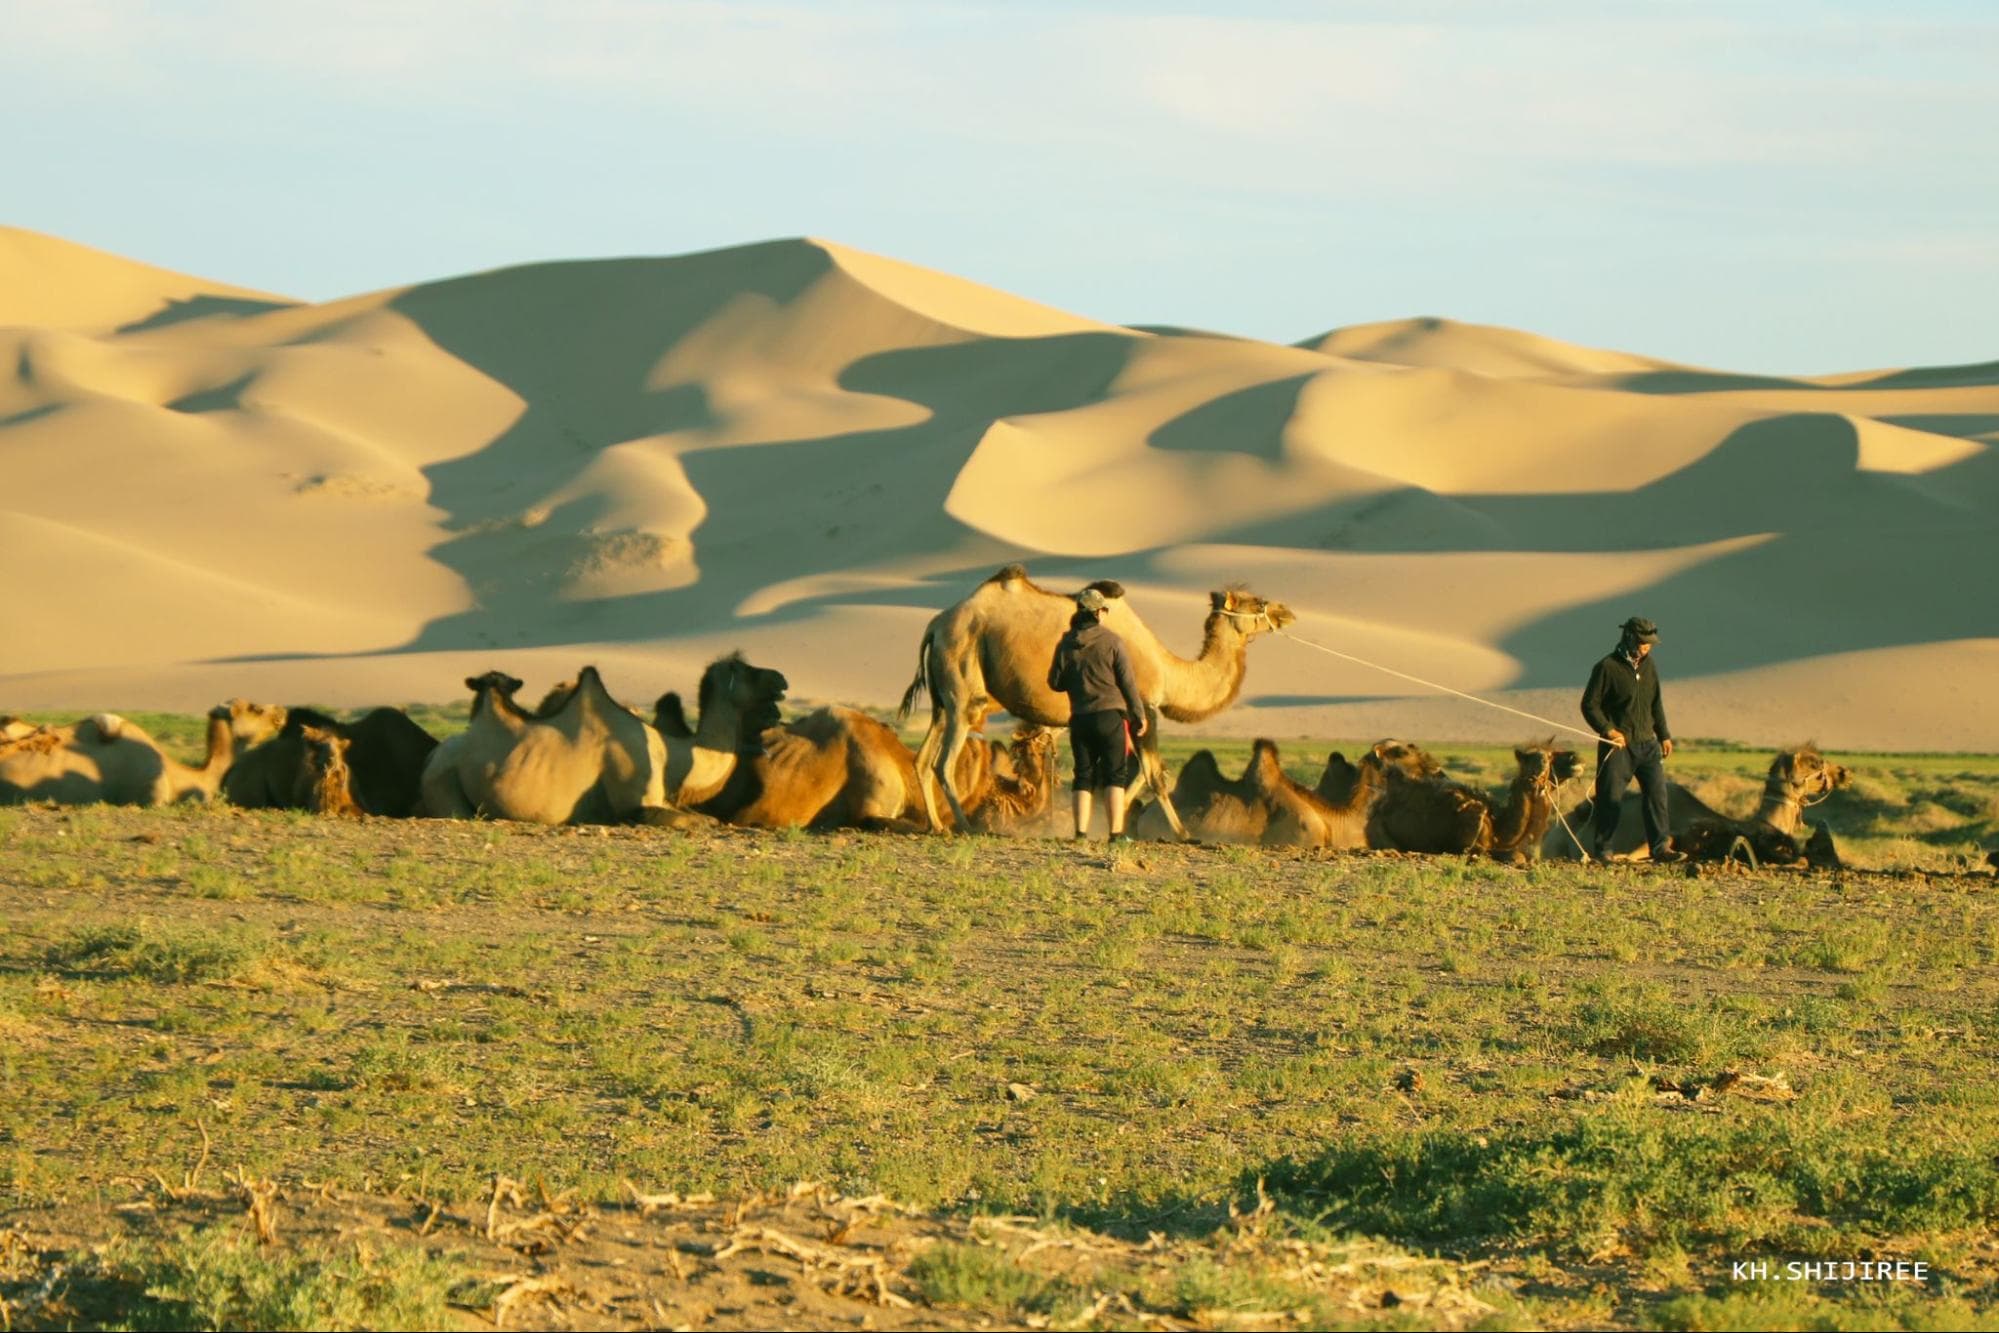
937	760
1152	771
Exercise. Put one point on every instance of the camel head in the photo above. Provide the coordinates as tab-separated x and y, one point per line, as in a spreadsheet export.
1543	765
1249	614
732	688
323	776
1401	759
250	724
497	683
1804	774
1032	750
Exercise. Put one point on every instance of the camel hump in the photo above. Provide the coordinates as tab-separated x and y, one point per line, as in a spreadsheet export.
1015	573
1264	773
102	726
1108	587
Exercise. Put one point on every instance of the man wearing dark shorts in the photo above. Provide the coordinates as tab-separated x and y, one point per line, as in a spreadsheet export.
1622	705
1105	713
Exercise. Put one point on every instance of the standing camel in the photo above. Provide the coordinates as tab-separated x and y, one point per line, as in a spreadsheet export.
993	649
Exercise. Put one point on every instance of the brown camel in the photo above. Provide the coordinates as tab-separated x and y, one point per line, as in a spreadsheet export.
593	761
1453	819
1301	817
324	783
107	758
1265	806
383	756
1212	807
993	649
1022	780
1776	833
839	768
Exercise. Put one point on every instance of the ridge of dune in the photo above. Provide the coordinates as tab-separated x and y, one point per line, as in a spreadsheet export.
959	302
48	282
1482	349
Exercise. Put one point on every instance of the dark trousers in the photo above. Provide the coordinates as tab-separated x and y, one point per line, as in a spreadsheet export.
1615	767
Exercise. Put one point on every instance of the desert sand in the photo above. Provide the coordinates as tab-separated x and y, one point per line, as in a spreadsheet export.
804	451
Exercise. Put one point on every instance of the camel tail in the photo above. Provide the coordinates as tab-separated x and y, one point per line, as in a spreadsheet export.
920	684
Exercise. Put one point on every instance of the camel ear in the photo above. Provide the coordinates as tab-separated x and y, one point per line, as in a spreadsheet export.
1520	756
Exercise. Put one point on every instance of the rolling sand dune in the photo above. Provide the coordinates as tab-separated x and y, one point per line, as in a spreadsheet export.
804	450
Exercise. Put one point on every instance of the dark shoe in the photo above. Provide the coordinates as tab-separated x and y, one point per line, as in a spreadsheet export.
1669	855
1118	839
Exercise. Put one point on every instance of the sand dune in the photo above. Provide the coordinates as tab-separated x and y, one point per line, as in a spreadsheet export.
804	450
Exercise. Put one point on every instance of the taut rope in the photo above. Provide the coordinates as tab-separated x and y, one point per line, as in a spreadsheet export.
1504	708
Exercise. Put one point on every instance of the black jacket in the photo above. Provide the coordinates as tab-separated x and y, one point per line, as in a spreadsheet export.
1618	696
1092	667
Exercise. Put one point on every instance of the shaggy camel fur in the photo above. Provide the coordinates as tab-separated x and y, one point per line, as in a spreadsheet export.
1777	832
107	758
994	648
1451	818
592	762
1022	779
384	757
324	783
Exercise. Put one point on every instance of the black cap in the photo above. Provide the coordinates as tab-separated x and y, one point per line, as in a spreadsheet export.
1640	630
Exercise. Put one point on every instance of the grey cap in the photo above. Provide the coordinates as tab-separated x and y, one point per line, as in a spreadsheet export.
1091	600
1641	630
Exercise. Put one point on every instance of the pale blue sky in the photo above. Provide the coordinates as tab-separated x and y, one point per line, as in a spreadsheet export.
1782	186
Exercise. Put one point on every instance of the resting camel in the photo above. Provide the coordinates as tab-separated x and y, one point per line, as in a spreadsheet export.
1300	817
324	783
107	758
993	649
1796	778
1265	806
593	760
384	757
840	768
1451	818
1014	799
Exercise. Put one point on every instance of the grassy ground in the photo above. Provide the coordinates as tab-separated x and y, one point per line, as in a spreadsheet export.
1556	1096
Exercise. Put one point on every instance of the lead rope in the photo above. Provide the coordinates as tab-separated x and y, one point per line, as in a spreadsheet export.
1504	708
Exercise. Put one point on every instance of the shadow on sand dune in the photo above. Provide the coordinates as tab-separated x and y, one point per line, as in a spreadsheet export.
581	345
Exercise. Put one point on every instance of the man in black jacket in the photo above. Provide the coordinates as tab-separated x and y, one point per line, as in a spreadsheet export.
1105	712
1622	705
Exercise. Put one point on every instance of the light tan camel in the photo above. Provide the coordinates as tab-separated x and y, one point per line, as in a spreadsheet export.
994	648
593	761
1777	832
1449	818
108	758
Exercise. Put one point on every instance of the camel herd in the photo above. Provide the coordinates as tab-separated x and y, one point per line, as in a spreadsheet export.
581	756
